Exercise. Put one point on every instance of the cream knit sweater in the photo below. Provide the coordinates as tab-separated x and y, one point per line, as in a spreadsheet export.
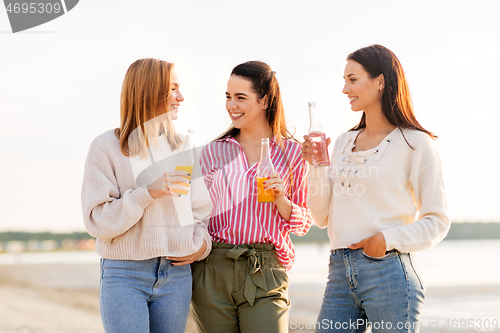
127	222
391	188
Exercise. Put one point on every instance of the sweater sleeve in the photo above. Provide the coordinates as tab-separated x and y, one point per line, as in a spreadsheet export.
201	205
319	197
433	222
106	213
301	218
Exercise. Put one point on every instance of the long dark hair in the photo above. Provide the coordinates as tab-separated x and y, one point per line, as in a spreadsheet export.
264	84
396	101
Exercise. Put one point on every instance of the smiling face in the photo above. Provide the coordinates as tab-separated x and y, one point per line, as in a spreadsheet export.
175	97
364	92
243	105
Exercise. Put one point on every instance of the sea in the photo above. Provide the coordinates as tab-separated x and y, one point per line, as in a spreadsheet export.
462	278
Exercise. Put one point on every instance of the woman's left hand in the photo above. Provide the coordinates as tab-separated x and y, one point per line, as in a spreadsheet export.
186	260
276	184
373	246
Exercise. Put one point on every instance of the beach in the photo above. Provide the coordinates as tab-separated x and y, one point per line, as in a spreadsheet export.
60	296
49	298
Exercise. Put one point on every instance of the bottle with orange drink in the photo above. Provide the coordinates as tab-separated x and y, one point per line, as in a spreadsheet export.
264	170
185	161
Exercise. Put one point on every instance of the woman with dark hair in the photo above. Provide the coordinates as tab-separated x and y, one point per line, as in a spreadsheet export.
384	172
242	286
147	233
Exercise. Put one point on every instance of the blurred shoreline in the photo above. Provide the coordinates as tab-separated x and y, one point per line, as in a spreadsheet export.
22	241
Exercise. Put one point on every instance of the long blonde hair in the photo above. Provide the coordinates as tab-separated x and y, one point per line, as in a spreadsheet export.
144	107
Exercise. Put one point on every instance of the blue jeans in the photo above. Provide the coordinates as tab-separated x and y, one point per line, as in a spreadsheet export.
385	293
144	296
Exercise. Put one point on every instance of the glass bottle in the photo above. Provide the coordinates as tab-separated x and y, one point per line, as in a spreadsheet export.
318	136
264	170
185	161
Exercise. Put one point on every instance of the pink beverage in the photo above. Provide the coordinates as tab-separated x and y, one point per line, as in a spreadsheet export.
318	136
321	158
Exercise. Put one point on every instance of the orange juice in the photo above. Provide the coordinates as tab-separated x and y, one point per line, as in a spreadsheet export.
262	194
188	169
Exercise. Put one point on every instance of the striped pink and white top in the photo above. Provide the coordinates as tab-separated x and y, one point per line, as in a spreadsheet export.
237	217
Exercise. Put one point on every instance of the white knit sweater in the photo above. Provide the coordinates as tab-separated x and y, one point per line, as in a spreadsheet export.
127	222
382	189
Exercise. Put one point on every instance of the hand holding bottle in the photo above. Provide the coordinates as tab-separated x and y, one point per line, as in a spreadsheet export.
309	148
168	183
276	185
317	135
185	162
264	171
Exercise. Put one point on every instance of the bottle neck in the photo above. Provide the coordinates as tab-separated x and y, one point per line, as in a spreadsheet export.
265	167
315	126
264	150
187	151
189	139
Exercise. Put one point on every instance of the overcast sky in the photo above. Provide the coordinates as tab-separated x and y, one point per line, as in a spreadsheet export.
60	84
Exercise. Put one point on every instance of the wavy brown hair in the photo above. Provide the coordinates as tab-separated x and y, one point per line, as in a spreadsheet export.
396	102
264	84
144	106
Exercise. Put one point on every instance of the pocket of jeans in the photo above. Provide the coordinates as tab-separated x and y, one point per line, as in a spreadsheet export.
101	273
384	257
417	274
101	268
330	257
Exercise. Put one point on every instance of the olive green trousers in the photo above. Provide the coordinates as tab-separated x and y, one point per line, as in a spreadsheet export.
240	288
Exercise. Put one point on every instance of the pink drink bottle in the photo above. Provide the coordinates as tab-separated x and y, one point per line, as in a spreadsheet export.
318	136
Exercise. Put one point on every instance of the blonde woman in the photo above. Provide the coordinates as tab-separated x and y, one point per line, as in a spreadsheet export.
147	234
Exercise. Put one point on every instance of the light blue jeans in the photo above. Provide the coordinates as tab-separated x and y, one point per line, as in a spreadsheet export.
144	296
385	293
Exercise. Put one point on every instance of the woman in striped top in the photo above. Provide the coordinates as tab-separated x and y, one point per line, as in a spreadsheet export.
243	285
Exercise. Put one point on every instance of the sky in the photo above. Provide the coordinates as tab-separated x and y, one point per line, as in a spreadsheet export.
60	84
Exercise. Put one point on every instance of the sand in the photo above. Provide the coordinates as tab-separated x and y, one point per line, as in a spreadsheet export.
49	298
64	298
